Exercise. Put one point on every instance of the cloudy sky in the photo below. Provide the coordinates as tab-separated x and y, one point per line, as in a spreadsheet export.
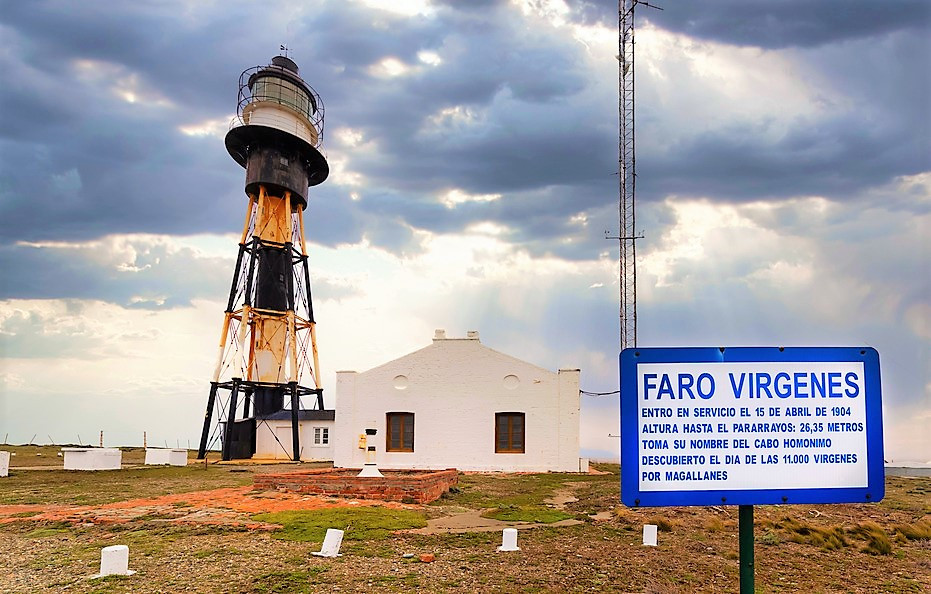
784	191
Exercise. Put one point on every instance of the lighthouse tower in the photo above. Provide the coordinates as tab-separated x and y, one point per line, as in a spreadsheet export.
267	358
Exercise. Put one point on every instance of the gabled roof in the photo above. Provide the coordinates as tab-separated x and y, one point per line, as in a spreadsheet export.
441	343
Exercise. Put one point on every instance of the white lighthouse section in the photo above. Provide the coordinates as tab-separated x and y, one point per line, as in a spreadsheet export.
278	103
273	115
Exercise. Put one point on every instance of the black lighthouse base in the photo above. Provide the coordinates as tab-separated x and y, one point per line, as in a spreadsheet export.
260	400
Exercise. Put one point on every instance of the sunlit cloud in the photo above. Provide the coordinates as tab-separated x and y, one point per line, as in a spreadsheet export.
348	137
122	83
460	120
217	127
552	11
455	197
487	228
580	219
341	173
402	7
139	300
429	58
389	67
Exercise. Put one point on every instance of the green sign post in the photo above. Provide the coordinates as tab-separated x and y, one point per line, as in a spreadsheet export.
745	536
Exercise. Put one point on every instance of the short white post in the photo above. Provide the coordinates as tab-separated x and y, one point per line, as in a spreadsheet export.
509	540
370	469
114	560
649	535
4	463
331	543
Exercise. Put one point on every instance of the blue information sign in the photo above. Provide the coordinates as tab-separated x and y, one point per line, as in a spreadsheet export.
746	426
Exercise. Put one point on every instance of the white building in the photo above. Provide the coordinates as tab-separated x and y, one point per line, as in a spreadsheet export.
273	438
459	404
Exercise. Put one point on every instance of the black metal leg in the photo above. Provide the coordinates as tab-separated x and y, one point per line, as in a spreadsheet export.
227	442
245	404
295	424
202	450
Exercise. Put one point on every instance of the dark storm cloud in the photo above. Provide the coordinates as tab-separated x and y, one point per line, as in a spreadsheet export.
115	181
834	158
155	278
138	273
185	52
496	162
537	148
531	138
533	124
771	24
114	167
348	39
128	168
868	122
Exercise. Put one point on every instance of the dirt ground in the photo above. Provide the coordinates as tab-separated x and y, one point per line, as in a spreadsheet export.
191	529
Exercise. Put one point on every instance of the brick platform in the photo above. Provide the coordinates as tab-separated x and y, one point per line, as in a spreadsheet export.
406	486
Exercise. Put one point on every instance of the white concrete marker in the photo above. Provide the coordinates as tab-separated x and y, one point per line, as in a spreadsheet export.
649	535
331	543
4	463
170	456
114	560
509	540
92	458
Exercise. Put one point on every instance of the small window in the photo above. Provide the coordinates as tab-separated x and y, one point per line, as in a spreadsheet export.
321	435
400	433
509	433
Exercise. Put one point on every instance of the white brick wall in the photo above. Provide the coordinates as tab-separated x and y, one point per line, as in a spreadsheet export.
454	387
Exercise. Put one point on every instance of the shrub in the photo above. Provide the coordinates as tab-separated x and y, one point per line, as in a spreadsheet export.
877	541
917	531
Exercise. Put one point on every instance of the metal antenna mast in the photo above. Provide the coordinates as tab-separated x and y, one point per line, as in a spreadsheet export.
627	164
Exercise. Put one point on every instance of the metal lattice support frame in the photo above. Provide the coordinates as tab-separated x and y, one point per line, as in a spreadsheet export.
236	367
628	176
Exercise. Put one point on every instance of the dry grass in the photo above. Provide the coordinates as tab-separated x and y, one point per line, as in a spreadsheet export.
713	524
829	538
877	541
107	486
662	524
856	548
918	531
